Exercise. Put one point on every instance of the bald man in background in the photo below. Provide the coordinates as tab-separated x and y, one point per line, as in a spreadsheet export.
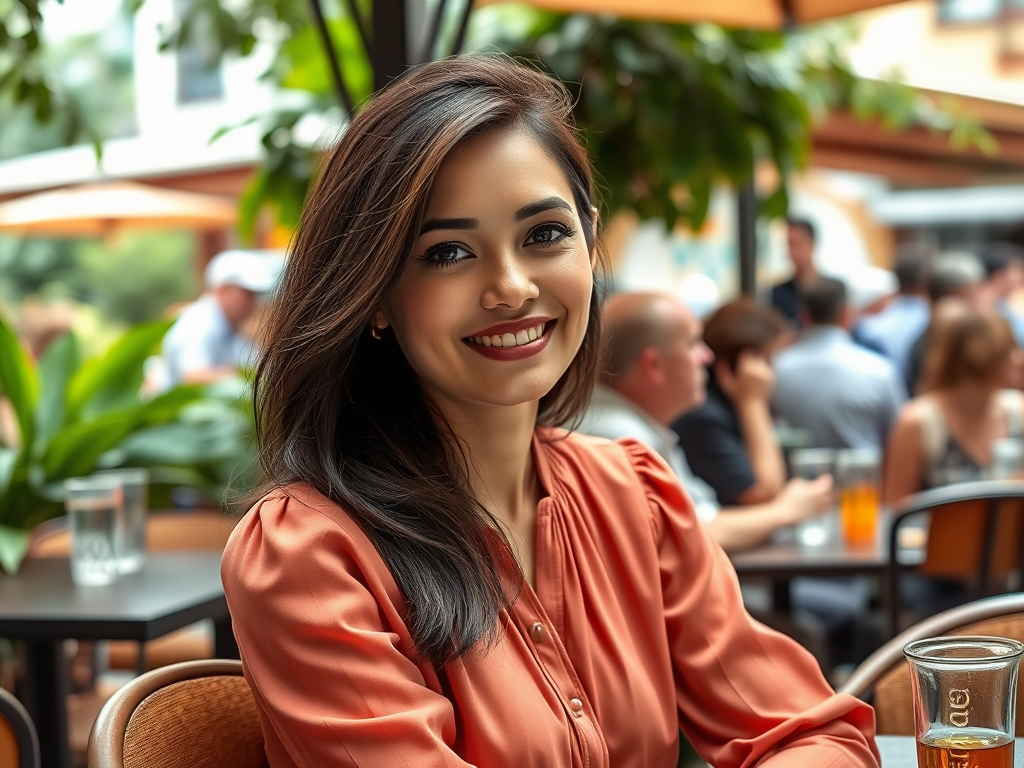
655	372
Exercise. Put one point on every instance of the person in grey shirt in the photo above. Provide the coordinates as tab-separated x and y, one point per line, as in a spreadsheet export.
845	396
655	372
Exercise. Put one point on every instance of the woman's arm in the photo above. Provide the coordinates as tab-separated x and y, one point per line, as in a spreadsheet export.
738	527
904	456
750	389
321	653
746	694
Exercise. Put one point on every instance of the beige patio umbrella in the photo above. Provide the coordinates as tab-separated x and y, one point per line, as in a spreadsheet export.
97	210
759	14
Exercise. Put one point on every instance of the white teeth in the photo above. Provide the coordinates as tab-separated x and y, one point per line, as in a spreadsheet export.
510	339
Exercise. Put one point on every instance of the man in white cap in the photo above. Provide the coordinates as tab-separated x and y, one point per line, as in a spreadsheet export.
205	344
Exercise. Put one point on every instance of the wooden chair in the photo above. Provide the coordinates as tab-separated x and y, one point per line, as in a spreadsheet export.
884	677
975	536
198	714
19	745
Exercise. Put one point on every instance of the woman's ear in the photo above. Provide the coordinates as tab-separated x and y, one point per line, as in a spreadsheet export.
380	322
595	220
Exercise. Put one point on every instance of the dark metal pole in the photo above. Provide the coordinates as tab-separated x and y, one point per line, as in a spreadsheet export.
434	32
332	57
746	230
460	37
388	54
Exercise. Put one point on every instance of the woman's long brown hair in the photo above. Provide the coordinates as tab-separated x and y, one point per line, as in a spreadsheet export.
343	411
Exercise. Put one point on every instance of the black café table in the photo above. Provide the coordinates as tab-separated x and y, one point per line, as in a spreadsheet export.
42	607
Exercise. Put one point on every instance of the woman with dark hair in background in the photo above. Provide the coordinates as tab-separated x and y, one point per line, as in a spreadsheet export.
435	576
729	441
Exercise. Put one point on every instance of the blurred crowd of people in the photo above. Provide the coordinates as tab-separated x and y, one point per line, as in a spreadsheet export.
927	378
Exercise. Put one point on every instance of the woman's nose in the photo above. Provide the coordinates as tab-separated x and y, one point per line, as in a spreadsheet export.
509	284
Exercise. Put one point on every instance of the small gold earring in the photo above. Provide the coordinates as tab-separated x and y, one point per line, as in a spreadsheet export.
375	332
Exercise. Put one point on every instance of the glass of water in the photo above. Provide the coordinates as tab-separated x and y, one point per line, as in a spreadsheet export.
810	464
94	506
131	539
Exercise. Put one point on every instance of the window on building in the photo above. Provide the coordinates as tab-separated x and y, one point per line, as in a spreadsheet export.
199	66
970	11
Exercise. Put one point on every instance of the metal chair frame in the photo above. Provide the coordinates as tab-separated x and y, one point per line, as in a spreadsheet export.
879	663
995	492
14	713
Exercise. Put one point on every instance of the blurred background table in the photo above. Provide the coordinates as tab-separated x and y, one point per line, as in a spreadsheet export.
42	607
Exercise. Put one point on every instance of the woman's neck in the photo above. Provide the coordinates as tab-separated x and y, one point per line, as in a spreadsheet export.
971	399
498	440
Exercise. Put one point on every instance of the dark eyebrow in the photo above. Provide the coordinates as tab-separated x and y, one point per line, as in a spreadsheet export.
429	226
540	206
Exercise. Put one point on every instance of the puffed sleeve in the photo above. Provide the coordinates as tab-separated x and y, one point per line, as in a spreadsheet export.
324	647
747	695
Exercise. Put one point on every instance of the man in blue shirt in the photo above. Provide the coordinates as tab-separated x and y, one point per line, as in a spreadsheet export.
894	330
845	396
206	342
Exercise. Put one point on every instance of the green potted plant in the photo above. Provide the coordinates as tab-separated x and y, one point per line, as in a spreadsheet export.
70	413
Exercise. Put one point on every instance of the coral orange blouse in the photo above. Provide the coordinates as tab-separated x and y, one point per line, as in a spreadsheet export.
635	629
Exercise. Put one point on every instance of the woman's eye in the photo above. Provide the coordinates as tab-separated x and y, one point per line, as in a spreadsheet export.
446	254
549	234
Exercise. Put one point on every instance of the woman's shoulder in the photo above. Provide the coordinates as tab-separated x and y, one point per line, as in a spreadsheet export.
294	532
596	461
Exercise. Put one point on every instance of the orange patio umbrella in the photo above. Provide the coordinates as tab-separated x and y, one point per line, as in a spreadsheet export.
759	14
97	210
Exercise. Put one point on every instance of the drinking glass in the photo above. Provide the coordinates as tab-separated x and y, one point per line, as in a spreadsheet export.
965	699
95	508
1007	459
810	464
131	539
857	478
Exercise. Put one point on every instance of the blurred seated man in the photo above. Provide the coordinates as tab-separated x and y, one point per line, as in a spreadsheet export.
844	395
1004	275
729	440
205	344
655	372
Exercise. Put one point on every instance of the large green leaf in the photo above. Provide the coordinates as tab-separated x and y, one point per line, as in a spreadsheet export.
18	381
112	381
56	368
76	449
13	548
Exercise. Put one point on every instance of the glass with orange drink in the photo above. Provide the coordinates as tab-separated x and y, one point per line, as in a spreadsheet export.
858	481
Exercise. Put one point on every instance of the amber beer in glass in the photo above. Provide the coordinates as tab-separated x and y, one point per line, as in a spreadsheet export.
965	700
858	481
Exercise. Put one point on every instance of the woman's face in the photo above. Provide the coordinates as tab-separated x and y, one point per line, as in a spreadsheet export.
493	304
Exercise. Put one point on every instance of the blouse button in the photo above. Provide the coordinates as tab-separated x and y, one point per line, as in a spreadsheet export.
576	706
537	632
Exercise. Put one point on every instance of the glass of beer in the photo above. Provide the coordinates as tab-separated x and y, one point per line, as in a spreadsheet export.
857	478
965	700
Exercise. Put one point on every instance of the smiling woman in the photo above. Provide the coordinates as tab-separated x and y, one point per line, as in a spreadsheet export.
436	575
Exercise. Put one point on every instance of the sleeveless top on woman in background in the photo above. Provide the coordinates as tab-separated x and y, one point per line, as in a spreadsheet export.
635	628
945	460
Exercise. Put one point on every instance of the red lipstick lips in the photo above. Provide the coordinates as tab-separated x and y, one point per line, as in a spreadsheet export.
512	341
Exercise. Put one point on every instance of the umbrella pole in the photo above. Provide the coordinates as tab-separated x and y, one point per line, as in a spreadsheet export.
746	221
